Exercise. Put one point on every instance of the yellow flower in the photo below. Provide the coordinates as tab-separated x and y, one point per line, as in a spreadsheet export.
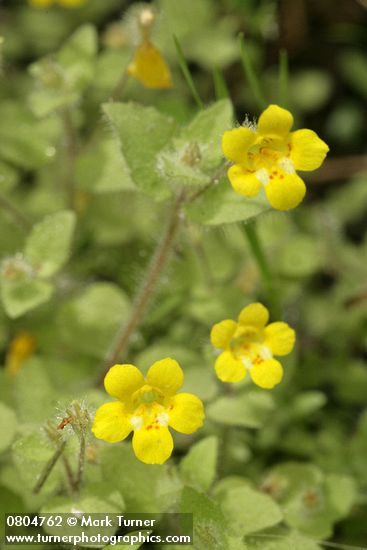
250	345
147	407
269	155
20	349
149	67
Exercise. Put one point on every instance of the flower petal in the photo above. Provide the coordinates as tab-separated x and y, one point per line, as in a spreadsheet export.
243	182
308	151
122	381
275	122
255	315
285	191
149	67
228	368
235	143
280	338
166	375
221	333
111	423
267	374
186	413
153	445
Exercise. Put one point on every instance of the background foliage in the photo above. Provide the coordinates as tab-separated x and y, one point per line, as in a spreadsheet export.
82	207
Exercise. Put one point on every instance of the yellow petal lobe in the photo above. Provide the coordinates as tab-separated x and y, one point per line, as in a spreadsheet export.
122	381
149	67
166	375
235	143
267	374
153	446
228	368
275	122
308	151
280	338
285	191
243	182
255	315
222	333
111	423
186	413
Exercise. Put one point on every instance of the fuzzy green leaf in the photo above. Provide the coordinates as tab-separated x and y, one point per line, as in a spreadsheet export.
23	294
142	133
249	410
8	426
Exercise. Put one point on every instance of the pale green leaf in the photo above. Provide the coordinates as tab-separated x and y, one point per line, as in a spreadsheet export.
248	511
249	410
23	294
221	204
48	246
198	467
142	132
8	426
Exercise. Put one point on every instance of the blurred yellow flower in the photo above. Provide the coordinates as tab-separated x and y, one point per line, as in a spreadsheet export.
250	345
269	154
149	67
63	3
20	349
147	407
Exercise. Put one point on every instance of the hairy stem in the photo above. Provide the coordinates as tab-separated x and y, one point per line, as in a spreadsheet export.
122	340
49	467
23	223
81	463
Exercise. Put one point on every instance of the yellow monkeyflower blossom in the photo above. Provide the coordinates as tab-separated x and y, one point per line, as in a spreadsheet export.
269	154
20	349
63	3
149	67
250	345
147	406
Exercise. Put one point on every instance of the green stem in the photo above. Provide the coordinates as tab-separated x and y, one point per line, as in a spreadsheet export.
71	147
261	260
187	75
220	85
250	74
120	345
119	89
283	78
49	467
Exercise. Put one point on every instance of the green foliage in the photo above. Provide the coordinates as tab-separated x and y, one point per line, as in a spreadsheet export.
198	467
250	410
8	426
48	245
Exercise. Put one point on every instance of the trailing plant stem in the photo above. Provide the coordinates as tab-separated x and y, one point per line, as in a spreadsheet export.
49	467
159	260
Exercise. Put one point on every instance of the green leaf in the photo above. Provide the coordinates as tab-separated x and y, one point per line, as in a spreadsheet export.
207	129
142	132
103	169
34	395
77	57
135	546
221	204
30	454
210	527
249	410
89	322
294	541
48	246
248	511
145	488
24	141
198	467
8	426
23	294
341	492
